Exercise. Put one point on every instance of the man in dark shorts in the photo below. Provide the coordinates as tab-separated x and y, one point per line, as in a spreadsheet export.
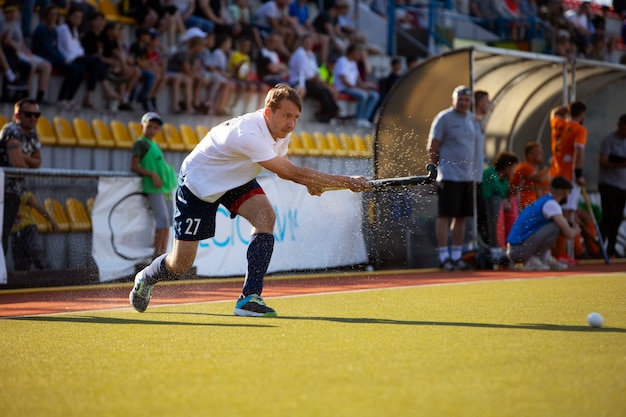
222	170
451	144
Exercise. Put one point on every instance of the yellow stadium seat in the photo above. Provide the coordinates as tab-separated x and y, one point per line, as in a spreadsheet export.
322	143
337	146
189	137
84	134
64	131
89	205
348	144
201	132
77	216
58	214
308	142
360	144
43	224
45	132
111	12
121	135
3	120
102	133
173	137
135	129
295	145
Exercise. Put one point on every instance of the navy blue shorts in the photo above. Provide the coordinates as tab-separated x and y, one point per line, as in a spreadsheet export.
194	219
456	199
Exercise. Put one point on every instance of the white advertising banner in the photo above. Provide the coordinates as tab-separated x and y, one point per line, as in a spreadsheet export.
311	232
122	227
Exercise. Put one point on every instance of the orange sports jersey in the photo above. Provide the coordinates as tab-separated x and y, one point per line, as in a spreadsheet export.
524	190
565	137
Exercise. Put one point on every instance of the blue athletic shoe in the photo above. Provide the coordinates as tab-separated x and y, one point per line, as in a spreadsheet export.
253	306
140	295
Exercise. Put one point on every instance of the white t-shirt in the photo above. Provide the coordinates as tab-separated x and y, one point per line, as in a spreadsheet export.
349	69
69	43
229	156
267	11
551	208
302	65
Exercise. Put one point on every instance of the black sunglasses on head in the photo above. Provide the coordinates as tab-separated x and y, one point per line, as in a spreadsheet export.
34	114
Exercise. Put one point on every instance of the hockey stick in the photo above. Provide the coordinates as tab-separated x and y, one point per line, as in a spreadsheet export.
384	183
583	189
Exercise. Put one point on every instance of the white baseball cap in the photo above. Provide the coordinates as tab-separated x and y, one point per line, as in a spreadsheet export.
193	32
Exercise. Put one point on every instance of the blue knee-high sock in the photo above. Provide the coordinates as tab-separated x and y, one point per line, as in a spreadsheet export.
259	255
157	270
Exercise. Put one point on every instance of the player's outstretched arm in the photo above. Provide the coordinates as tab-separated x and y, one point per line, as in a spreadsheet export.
315	181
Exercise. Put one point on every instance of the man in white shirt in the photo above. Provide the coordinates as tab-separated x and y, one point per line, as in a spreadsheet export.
222	169
348	81
304	73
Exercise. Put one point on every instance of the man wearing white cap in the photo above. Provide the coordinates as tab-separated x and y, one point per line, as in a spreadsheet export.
159	178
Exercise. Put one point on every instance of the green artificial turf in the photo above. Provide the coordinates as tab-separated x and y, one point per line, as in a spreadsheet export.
509	348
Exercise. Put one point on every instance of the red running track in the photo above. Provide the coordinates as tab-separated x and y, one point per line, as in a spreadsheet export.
30	302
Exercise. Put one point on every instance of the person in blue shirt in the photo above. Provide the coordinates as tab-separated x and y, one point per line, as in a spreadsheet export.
537	227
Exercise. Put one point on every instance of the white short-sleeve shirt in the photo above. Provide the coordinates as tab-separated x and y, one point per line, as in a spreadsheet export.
229	156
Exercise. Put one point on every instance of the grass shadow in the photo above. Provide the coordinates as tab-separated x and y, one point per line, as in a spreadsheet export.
114	320
366	320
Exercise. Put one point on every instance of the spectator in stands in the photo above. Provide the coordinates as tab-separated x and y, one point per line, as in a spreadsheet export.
348	81
270	67
72	50
158	178
299	9
273	17
188	62
139	57
303	72
221	56
177	81
530	179
28	8
239	65
120	69
19	148
564	45
241	16
580	21
327	23
46	45
15	75
13	44
219	88
26	244
86	7
91	41
217	12
187	10
165	18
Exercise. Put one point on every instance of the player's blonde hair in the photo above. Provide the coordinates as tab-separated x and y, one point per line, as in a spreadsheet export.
281	92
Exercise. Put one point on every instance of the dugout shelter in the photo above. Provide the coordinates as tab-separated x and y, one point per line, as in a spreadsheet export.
523	88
